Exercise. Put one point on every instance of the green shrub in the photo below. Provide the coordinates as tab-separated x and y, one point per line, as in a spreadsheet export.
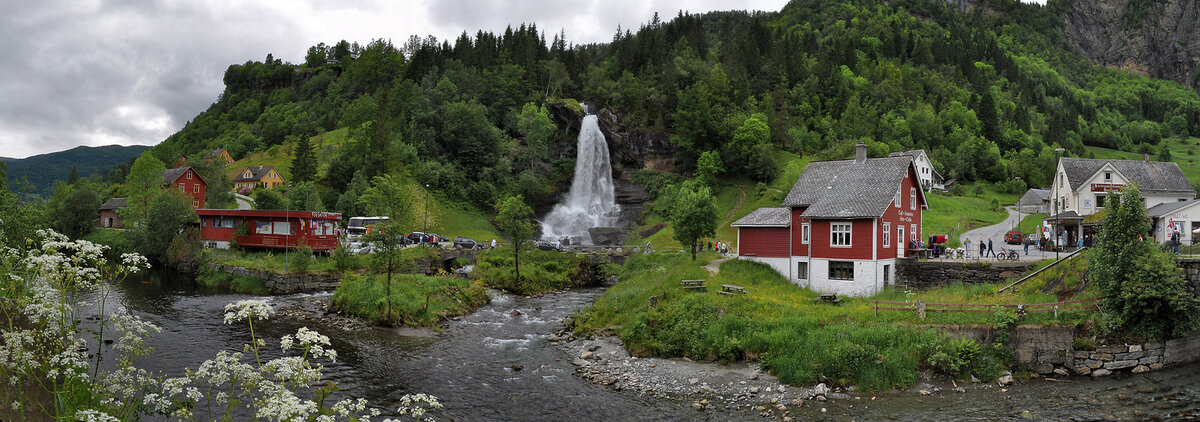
342	260
415	299
301	258
956	357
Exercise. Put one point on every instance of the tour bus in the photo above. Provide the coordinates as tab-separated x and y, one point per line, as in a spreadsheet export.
362	225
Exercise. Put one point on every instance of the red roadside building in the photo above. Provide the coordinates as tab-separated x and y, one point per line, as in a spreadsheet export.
273	229
842	226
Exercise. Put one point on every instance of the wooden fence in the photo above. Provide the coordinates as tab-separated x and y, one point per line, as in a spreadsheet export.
920	307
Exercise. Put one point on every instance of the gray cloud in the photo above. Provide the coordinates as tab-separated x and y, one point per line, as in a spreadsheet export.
132	72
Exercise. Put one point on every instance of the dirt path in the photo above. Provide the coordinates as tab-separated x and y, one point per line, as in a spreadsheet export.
714	266
736	207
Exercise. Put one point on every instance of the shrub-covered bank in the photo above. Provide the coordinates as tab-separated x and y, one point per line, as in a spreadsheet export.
776	324
414	300
541	271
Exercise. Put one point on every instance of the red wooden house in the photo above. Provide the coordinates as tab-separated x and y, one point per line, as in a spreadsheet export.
274	229
841	227
188	181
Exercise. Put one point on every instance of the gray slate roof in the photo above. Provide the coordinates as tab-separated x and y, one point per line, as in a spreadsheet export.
909	153
1152	176
256	173
1168	207
1043	194
766	216
169	175
849	189
113	204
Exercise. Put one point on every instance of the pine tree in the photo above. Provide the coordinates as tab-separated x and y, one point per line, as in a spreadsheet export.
304	163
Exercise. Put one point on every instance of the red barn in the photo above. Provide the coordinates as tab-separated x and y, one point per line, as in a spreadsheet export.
269	228
188	181
841	227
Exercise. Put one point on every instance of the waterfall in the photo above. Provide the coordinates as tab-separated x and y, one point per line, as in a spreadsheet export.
590	203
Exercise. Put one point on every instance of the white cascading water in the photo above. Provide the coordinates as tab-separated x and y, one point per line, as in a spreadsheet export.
590	203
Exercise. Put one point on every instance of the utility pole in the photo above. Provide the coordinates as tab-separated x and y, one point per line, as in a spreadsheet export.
1057	210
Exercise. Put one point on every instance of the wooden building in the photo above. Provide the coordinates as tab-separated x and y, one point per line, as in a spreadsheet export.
274	229
188	181
842	226
256	177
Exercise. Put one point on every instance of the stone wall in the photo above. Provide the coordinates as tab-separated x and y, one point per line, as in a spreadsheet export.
278	284
1050	350
1191	271
938	273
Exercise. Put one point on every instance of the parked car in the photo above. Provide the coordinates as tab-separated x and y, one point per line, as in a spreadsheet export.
1013	238
417	237
1032	239
434	238
467	243
545	245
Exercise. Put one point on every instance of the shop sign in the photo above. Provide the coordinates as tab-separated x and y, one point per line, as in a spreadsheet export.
1105	187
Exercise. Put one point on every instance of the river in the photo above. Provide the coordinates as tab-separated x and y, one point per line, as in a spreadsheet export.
470	364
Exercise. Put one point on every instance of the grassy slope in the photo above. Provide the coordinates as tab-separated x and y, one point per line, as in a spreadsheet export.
778	322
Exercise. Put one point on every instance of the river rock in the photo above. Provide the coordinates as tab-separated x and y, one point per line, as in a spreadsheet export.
697	405
1082	370
585	355
1005	380
925	392
798	402
1101	373
753	390
580	362
820	389
1062	372
1135	348
781	389
1140	369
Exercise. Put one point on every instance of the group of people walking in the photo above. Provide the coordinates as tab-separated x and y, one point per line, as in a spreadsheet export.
985	249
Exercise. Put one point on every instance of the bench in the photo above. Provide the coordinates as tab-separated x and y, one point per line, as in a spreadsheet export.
729	289
828	298
692	284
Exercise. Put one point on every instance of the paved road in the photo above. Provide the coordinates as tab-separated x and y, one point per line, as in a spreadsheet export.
996	233
243	202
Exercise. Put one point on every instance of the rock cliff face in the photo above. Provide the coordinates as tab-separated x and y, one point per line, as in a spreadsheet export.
1165	44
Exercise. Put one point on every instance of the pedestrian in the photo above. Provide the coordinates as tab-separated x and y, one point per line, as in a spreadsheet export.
1175	240
1026	246
991	252
967	245
647	250
982	248
493	243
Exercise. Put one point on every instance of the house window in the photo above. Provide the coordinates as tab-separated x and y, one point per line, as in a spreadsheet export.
897	200
1100	201
841	270
262	227
839	234
195	203
912	198
887	235
804	230
189	174
912	232
282	227
181	187
802	270
195	188
887	270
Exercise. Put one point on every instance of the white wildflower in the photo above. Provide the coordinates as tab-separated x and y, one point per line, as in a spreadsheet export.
311	341
244	309
90	415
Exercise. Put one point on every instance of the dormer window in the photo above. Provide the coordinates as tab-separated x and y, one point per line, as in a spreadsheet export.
189	175
1108	176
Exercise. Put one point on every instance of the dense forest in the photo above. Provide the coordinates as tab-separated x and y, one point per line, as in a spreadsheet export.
989	92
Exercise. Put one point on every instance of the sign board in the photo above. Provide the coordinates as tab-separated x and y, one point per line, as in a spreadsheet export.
1105	187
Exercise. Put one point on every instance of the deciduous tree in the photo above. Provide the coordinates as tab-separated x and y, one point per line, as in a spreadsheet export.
512	218
693	215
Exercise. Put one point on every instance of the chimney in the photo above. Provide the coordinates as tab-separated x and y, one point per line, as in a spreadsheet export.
1146	157
860	152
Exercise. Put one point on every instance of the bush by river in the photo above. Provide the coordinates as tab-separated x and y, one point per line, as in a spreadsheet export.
541	271
415	299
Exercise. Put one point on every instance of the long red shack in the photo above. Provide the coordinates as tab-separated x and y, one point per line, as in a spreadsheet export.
269	228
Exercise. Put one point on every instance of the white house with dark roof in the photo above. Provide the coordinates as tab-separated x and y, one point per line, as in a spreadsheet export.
929	176
841	227
1182	217
1081	187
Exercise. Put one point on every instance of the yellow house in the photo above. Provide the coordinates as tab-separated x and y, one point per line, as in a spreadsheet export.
254	177
221	155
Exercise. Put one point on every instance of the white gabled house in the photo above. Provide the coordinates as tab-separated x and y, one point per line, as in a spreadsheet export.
930	179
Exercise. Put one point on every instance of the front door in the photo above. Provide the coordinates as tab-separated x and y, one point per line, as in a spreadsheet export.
900	239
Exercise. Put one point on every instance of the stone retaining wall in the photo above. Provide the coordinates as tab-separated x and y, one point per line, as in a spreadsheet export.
1191	271
938	273
1050	350
278	284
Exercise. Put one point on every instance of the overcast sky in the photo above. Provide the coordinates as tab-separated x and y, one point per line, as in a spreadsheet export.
89	72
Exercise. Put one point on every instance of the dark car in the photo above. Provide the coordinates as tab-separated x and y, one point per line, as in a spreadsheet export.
467	243
1012	238
417	237
434	238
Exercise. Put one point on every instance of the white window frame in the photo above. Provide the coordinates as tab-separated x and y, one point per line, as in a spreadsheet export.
834	234
897	201
1108	176
802	270
912	198
805	232
887	235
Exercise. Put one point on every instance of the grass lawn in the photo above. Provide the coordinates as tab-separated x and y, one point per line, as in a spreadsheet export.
325	146
778	323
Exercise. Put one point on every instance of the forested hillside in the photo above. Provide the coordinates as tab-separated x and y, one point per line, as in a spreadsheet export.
42	170
988	93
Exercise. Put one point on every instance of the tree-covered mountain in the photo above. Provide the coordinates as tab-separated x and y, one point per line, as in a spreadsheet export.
43	170
989	91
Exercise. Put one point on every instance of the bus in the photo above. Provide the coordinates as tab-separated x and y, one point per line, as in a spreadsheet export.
362	225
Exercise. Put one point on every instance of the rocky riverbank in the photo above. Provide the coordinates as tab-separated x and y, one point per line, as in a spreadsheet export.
709	387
